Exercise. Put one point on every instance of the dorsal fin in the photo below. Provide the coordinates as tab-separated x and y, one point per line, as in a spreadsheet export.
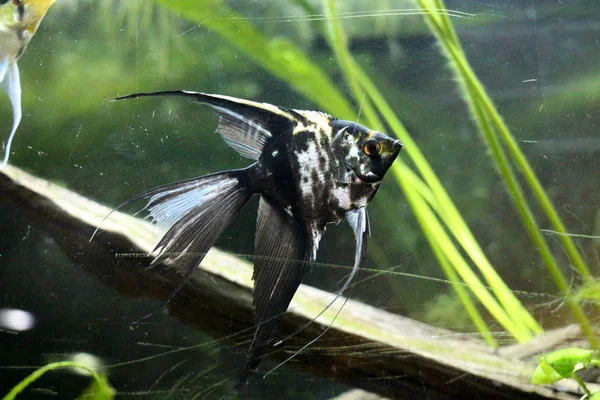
246	126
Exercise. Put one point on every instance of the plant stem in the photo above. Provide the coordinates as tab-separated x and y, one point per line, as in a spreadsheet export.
582	384
337	41
35	375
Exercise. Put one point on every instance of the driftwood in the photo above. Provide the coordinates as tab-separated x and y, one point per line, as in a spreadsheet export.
368	348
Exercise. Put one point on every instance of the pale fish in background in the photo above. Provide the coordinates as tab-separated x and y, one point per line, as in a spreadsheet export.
19	19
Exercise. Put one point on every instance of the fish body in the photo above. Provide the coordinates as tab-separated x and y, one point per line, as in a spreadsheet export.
310	170
304	170
19	19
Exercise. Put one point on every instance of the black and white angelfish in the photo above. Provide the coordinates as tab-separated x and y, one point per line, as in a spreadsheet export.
310	169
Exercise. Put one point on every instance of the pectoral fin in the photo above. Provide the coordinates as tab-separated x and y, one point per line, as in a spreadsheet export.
359	221
11	84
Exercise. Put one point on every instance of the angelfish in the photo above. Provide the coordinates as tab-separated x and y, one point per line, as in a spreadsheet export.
19	19
310	170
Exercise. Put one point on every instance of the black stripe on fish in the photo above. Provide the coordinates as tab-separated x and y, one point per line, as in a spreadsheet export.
20	11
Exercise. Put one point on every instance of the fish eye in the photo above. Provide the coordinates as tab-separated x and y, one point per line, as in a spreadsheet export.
372	148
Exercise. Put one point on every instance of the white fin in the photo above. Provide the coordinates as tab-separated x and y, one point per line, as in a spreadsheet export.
245	135
359	221
170	205
3	68
194	214
11	84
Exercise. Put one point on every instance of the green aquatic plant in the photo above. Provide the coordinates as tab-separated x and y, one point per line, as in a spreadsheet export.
588	292
499	142
563	364
99	389
426	195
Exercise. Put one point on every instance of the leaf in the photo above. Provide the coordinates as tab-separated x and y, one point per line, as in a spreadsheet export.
565	361
561	364
101	383
544	374
98	390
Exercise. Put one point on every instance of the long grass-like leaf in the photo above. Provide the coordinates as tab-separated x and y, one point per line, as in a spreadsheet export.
523	321
449	213
338	43
490	124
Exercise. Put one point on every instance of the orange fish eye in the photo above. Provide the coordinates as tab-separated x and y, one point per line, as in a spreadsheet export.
372	148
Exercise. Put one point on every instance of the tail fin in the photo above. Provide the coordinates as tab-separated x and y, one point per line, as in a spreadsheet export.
195	213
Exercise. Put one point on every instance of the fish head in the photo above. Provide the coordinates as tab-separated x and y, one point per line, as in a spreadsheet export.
366	153
23	15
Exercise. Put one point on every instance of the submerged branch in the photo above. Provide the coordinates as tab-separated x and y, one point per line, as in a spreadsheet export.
390	355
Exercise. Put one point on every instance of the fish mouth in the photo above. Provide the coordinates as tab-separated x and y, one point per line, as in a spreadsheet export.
369	178
394	147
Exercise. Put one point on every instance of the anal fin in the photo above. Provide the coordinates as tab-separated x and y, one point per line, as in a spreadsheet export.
282	248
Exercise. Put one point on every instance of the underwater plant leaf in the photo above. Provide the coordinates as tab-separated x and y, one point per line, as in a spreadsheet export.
511	313
589	291
38	373
565	361
494	130
544	374
433	191
560	364
278	56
